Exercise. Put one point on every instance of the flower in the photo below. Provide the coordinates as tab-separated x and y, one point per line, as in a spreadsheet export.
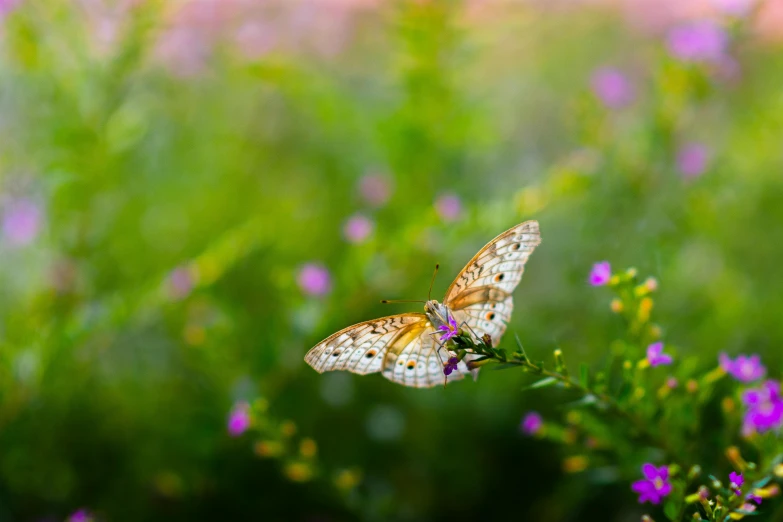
671	383
357	228
21	222
698	41
314	279
693	159
81	515
764	408
612	87
655	355
531	423
375	189
753	497
448	207
733	7
600	274
449	330
743	368
450	365
239	419
180	282
654	486
736	480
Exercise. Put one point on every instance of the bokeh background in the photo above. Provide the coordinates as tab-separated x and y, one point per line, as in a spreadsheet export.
194	193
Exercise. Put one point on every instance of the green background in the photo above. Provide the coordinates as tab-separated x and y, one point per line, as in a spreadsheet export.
161	141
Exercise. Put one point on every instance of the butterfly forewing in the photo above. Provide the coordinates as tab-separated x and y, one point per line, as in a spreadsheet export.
362	348
481	294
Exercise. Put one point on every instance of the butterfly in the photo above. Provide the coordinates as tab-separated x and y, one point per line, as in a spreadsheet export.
406	348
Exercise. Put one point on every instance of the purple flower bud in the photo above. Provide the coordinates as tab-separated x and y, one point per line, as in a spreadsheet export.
655	355
733	7
600	274
314	279
81	515
358	228
764	408
736	480
180	282
375	189
744	368
612	87
531	423
21	222
693	159
449	207
698	41
239	419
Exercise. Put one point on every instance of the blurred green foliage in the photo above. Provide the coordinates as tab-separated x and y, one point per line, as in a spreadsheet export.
150	137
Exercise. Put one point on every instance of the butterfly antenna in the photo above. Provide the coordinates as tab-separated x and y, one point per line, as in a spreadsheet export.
390	301
429	295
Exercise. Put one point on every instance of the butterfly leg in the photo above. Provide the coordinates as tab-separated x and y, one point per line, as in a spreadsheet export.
474	372
440	345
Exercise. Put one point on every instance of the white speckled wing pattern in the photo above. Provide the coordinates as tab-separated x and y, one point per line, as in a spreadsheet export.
414	361
362	348
481	294
405	347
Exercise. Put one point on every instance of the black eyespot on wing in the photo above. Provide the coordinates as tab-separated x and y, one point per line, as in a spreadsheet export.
499	277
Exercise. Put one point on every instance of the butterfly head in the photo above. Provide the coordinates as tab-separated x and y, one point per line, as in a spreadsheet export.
437	313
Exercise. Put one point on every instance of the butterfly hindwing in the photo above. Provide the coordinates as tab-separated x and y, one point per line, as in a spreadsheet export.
362	348
481	294
413	360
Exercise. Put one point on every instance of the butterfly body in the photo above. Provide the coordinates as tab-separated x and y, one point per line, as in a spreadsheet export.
438	314
408	348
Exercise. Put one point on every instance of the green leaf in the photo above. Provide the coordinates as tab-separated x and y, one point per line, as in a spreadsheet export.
504	366
521	349
584	375
548	381
672	510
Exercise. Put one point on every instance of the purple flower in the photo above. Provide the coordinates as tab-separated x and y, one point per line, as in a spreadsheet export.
6	6
736	480
531	423
612	87
314	279
733	7
449	330
375	189
753	497
21	222
698	41
82	515
600	274
239	419
743	368
655	355
358	228
450	365
180	282
449	207
764	408
655	484
693	159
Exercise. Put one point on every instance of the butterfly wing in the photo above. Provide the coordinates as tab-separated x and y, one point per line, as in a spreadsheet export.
362	348
481	294
413	359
